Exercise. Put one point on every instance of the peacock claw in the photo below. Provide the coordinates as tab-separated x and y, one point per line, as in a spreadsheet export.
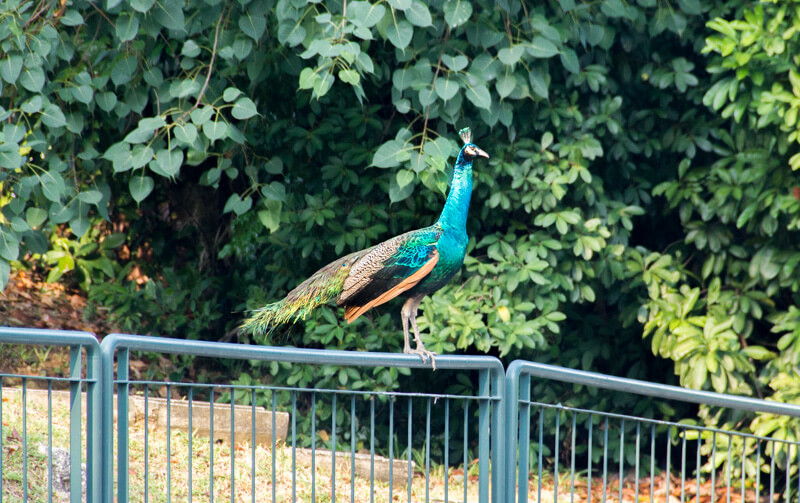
424	354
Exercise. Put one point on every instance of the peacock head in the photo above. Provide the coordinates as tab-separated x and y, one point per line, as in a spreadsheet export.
470	151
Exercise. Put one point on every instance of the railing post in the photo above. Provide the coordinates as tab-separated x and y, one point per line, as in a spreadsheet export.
75	482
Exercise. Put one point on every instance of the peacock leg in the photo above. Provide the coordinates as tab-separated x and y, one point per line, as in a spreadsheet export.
409	312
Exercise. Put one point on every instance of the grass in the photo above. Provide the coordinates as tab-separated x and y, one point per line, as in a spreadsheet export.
167	478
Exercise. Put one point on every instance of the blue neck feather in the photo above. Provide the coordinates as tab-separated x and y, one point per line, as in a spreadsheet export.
454	214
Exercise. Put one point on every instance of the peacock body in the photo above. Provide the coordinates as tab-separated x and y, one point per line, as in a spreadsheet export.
411	265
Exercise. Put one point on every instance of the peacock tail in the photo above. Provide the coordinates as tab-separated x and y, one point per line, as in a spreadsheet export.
322	287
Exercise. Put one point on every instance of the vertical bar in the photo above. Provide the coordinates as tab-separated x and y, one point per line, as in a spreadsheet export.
211	446
313	446
25	439
524	442
233	444
621	455
123	389
589	462
49	442
391	446
771	473
541	448
728	471
484	389
274	449
253	427
190	435
744	456
758	472
75	482
498	436
652	459
146	445
638	444
333	451
713	464
466	438
409	449
605	457
372	449
697	469
555	460
352	448
669	460
294	448
683	465
788	466
447	446
572	460
169	443
428	452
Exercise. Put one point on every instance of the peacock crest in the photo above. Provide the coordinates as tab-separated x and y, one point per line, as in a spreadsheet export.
466	135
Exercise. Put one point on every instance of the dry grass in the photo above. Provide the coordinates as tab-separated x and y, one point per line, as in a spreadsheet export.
167	478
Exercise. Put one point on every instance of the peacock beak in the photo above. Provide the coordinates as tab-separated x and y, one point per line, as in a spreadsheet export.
481	153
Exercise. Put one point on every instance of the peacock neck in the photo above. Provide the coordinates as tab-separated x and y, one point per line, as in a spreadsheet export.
456	207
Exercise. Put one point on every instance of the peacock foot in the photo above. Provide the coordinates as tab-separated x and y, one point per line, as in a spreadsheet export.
424	354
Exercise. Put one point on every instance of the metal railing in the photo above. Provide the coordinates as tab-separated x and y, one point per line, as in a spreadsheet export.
721	465
23	427
159	440
487	403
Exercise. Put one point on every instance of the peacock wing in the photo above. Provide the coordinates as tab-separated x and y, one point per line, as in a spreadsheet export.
388	270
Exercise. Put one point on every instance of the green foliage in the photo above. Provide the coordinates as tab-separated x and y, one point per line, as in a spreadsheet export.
642	177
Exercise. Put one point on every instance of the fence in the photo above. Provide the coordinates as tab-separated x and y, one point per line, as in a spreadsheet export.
148	440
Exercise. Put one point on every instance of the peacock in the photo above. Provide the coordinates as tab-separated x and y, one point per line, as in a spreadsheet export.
413	265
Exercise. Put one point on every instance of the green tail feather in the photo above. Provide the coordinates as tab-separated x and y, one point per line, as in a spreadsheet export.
322	287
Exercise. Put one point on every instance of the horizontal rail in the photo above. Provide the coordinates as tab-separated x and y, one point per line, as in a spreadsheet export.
645	388
295	355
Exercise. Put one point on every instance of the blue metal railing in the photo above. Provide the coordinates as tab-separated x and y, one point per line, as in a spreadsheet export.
524	446
76	341
520	405
491	381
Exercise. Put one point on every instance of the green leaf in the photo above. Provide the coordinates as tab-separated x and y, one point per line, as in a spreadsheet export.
457	12
446	88
399	33
231	94
10	68
167	162
126	27
35	216
185	133
106	101
90	196
71	17
365	14
215	130
169	13
140	156
455	63
244	108
5	272
404	177
510	55
419	15
9	245
538	83
570	61
390	154
140	187
271	216
142	6
253	26
542	48
9	156
120	156
53	117
32	79
479	96
79	225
